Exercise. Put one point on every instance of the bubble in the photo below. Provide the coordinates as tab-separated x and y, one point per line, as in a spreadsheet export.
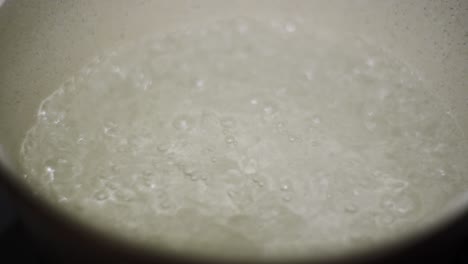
101	195
189	170
165	205
310	75
317	120
42	114
385	219
115	168
370	125
285	187
270	109
406	205
81	140
199	83
182	122
290	27
112	186
396	185
242	28
231	194
351	208
50	172
60	170
442	172
258	182
163	147
228	122
230	140
314	143
124	195
254	101
147	173
110	129
149	183
402	204
249	166
370	62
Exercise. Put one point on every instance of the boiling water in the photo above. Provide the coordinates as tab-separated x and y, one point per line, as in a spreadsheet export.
248	138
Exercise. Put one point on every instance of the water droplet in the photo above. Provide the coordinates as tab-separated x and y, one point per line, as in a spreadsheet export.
253	101
194	177
285	187
286	198
292	138
213	159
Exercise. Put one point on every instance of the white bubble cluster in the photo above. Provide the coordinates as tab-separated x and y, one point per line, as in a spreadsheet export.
260	137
